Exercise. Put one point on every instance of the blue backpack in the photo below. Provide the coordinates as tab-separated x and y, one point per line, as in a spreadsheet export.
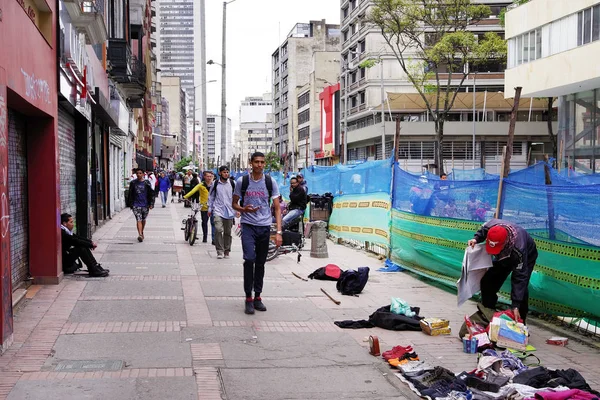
352	282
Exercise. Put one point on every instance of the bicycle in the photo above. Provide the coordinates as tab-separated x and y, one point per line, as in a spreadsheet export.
190	225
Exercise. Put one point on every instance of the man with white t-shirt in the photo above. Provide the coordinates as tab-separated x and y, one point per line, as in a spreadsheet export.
252	198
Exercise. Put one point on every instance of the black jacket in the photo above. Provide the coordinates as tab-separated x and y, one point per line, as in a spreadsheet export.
298	199
69	241
520	260
149	194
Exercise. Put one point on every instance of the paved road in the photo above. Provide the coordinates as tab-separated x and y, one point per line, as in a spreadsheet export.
169	324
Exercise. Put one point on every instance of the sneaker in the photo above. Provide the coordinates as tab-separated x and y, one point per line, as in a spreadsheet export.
258	304
395	362
164	206
427	379
98	274
396	352
140	238
226	255
414	366
219	256
249	307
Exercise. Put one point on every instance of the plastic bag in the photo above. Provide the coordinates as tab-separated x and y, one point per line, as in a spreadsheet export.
401	307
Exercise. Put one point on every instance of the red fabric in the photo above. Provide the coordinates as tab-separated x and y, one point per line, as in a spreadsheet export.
333	271
574	394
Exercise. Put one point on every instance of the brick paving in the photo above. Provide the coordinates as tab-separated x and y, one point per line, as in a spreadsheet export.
215	343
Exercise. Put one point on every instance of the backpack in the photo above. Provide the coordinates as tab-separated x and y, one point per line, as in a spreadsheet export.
352	282
246	183
213	192
330	272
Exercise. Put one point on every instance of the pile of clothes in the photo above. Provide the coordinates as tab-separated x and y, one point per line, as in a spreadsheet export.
499	375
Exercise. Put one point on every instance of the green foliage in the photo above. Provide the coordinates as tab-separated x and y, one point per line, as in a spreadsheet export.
184	162
368	63
272	162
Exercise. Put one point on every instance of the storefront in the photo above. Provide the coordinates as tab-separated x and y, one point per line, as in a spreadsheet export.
28	153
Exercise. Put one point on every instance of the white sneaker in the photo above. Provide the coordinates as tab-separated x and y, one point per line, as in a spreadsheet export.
219	256
226	255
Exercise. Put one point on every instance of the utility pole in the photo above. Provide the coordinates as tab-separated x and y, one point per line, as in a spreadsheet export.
203	78
382	110
345	152
223	82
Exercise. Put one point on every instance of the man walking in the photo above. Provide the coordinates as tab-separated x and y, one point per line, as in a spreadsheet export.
164	184
209	181
297	204
141	198
252	198
75	248
221	211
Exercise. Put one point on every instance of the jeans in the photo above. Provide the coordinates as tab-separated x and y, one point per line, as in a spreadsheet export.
222	234
163	197
290	217
255	245
212	227
204	215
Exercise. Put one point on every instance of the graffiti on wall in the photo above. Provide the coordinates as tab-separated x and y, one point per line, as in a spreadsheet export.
6	301
36	88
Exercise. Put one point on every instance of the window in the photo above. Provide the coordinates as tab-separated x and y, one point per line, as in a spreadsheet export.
304	117
284	113
303	133
588	25
596	23
363	97
345	35
276	119
362	46
277	88
345	12
285	81
284	97
363	73
303	99
284	66
353	4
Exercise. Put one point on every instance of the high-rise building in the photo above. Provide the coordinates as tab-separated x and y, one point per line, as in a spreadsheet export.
176	44
292	65
213	140
172	91
550	56
256	127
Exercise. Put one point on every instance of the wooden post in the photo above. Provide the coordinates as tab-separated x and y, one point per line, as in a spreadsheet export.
550	197
511	131
397	140
528	155
559	161
498	213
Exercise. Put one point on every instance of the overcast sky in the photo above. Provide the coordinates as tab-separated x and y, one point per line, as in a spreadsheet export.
254	30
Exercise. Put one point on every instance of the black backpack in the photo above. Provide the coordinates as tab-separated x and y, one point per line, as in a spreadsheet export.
213	192
330	272
246	183
352	282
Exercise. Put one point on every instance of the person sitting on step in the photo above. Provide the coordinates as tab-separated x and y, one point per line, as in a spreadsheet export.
75	247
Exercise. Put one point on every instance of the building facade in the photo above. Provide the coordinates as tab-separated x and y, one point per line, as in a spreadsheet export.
256	128
175	96
292	65
213	141
361	88
549	56
329	144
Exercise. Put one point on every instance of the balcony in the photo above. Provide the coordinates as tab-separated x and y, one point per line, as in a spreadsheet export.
127	70
87	20
153	26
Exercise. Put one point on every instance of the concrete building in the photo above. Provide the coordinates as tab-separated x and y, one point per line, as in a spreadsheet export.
256	127
213	141
363	98
173	92
293	63
553	52
177	30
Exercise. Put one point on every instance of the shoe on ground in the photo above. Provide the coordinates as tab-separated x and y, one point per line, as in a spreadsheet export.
414	366
219	256
258	305
427	379
140	238
99	266
164	205
396	352
204	241
226	255
98	273
396	362
249	307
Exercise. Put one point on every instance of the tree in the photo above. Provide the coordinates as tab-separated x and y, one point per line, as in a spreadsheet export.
272	162
431	42
184	162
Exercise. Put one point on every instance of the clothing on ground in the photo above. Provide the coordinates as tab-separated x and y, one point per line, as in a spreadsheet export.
573	394
257	195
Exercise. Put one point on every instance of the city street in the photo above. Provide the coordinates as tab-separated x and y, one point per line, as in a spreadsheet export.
169	324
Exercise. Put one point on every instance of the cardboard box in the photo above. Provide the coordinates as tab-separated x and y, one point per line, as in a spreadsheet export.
435	326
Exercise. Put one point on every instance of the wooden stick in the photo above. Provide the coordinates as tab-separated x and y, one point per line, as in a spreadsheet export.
299	277
331	298
500	184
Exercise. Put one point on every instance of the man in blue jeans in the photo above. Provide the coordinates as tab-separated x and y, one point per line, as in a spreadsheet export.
256	191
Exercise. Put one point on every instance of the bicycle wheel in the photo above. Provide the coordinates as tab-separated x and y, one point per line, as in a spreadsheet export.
188	228
273	251
193	232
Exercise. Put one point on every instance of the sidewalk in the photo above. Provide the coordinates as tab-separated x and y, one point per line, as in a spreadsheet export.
169	324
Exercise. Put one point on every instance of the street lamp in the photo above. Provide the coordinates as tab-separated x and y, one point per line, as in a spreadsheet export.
194	126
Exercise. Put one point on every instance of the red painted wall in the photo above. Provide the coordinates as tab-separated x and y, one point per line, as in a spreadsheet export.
28	74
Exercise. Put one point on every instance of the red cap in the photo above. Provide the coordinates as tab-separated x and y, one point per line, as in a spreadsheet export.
496	239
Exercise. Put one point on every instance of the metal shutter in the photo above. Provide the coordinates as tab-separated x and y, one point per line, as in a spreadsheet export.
66	153
17	194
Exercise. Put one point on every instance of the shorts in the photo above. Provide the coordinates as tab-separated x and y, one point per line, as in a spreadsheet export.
141	213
